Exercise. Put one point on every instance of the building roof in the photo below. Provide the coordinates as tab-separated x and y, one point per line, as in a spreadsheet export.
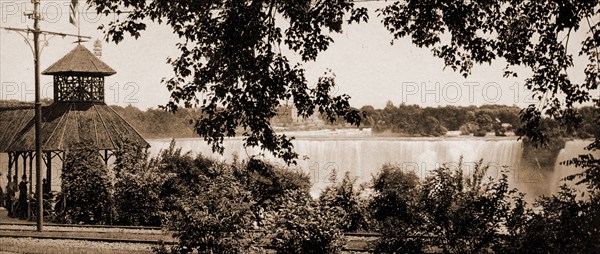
64	126
80	61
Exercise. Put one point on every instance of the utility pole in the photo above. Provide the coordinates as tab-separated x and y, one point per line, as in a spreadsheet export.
38	116
36	31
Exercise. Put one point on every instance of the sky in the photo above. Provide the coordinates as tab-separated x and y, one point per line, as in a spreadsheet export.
367	66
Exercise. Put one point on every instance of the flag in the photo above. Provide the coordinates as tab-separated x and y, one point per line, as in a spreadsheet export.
74	13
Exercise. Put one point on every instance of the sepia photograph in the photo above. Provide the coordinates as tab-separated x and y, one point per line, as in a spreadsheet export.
299	126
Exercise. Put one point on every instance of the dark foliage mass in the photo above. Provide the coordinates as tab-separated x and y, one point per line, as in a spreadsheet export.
404	120
352	209
412	120
157	123
138	184
231	57
86	185
215	207
303	225
244	207
456	212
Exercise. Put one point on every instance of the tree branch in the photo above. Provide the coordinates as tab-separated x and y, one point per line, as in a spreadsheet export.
587	18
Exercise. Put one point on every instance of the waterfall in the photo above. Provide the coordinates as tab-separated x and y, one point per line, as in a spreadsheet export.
363	157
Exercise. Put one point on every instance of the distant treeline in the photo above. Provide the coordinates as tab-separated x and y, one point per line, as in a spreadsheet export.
412	120
401	120
158	123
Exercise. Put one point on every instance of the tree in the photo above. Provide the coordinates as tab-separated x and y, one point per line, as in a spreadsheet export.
231	54
531	34
303	225
212	217
534	34
395	207
465	213
345	195
86	185
137	187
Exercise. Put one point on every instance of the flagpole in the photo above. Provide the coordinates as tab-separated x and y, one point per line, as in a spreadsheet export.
78	23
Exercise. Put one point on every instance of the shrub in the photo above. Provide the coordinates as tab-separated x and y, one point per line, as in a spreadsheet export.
562	224
396	193
353	210
137	187
448	210
212	216
468	128
430	126
465	213
302	225
395	208
182	172
268	182
86	184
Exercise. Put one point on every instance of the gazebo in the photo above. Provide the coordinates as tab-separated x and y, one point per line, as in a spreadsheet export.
78	115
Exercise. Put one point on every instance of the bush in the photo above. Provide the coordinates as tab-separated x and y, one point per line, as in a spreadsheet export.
353	212
213	215
395	208
268	182
448	210
183	172
137	187
464	214
86	184
430	126
396	193
212	206
562	224
468	128
302	225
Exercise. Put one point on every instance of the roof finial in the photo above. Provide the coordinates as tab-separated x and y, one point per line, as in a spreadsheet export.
98	48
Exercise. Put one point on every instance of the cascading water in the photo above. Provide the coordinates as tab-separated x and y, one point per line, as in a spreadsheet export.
363	157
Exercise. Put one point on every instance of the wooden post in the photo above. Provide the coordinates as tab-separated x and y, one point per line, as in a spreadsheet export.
24	165
11	159
30	173
49	170
29	212
17	167
64	193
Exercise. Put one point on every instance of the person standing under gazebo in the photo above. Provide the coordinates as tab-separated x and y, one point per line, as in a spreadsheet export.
22	203
9	200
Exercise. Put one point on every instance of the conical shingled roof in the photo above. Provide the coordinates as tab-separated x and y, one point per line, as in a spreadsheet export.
64	126
81	61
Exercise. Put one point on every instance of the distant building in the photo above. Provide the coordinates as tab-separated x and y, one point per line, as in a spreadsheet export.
314	119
